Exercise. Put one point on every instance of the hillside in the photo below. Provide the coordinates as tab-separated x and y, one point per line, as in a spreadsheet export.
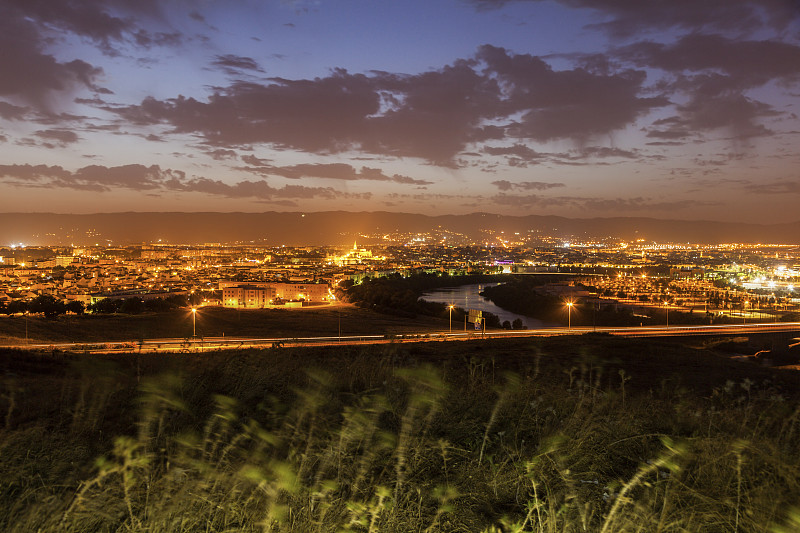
562	434
339	227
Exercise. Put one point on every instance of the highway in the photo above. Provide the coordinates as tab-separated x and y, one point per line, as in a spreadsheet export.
228	343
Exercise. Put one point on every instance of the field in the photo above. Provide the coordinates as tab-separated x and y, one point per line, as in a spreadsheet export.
211	322
565	434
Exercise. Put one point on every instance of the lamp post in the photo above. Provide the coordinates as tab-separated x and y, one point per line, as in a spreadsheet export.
450	307
569	316
744	311
194	322
666	306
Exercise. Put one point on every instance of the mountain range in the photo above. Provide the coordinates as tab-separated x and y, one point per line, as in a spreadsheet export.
339	227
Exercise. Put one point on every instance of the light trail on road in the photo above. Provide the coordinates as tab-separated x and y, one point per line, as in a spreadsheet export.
231	343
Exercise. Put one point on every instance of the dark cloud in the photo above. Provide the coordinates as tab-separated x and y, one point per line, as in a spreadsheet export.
714	72
775	187
153	178
505	185
605	151
629	17
569	104
105	22
91	178
146	39
58	137
259	190
31	74
221	154
434	115
12	112
233	64
335	171
255	161
742	63
519	151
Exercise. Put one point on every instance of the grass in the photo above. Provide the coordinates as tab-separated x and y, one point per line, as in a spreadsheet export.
549	435
211	322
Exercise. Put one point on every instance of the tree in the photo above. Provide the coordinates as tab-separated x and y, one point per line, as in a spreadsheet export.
75	306
16	306
48	305
106	305
517	324
132	306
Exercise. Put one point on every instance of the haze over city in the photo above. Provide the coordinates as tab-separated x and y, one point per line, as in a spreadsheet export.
678	110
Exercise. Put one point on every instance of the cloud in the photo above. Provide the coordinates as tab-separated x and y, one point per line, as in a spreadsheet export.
520	151
153	178
434	115
629	17
12	112
505	185
220	154
335	171
744	63
259	190
106	23
57	138
568	104
715	72
605	151
775	187
31	74
233	64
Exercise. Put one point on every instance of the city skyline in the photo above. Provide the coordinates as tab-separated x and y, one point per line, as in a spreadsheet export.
664	109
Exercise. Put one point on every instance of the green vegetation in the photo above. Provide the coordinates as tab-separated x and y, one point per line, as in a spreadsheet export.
396	295
565	434
523	295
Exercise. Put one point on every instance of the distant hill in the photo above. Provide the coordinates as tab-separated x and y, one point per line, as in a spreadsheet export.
339	227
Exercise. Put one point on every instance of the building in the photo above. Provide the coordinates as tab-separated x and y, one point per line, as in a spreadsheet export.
263	294
355	256
248	296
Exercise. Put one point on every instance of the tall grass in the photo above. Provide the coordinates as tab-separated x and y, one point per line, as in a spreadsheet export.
370	444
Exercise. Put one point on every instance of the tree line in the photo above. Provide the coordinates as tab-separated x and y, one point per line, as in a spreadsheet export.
51	307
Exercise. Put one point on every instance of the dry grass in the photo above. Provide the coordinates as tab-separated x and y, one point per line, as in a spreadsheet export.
508	436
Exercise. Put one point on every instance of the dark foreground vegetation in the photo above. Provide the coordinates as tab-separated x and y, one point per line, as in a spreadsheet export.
565	434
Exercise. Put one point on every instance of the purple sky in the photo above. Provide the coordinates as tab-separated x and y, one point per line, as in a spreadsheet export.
665	108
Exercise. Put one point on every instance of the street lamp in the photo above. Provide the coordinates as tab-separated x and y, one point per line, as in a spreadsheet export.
450	307
194	322
744	311
569	315
666	306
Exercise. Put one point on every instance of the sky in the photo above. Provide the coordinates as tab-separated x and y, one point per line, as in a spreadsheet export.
679	109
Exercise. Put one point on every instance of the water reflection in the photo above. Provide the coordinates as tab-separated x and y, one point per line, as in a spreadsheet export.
468	297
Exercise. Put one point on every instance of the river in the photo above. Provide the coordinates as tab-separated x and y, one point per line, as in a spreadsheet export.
468	297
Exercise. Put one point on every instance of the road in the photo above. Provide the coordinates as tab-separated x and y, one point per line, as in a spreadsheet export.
219	343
